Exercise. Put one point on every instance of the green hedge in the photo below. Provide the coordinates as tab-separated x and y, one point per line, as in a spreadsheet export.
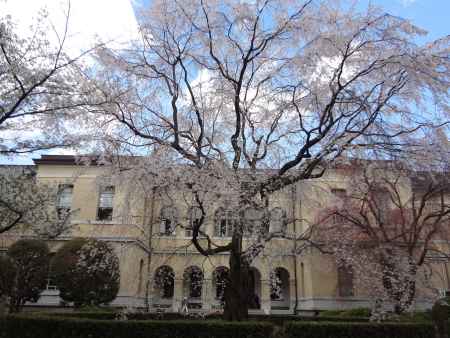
46	327
277	319
357	312
81	315
357	330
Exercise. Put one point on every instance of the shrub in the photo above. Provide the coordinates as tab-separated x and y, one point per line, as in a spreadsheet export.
356	330
31	259
7	276
46	327
86	272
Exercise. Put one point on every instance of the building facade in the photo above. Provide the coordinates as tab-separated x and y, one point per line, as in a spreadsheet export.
160	269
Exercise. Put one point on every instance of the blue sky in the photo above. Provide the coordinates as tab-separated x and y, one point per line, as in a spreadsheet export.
431	15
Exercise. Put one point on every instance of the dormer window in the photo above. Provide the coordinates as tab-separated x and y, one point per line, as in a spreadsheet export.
105	207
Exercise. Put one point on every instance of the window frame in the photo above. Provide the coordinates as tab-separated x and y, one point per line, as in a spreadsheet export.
101	208
168	214
227	216
64	210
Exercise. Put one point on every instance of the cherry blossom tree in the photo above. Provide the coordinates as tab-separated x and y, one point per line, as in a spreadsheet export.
234	101
389	231
43	90
26	205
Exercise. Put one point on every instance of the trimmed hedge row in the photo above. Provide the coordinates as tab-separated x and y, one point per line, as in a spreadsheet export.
357	330
46	327
42	326
176	316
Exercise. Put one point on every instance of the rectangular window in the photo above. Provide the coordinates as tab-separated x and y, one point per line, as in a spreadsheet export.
381	203
166	228
195	217
192	224
339	193
223	228
224	225
64	202
341	197
105	207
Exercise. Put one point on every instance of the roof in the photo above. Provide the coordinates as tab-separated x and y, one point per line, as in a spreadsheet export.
61	160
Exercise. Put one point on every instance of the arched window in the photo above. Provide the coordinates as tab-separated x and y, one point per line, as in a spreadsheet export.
278	220
193	282
164	281
194	218
220	281
253	219
254	284
224	223
279	284
168	218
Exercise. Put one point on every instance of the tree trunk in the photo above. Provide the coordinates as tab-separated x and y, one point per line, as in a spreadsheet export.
3	305
403	296
237	290
15	305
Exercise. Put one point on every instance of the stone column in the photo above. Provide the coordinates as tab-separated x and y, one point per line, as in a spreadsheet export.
291	294
177	295
206	294
265	296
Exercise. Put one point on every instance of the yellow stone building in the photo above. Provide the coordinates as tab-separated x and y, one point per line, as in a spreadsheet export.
149	248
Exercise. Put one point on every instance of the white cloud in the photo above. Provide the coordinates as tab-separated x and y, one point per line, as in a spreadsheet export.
407	3
90	20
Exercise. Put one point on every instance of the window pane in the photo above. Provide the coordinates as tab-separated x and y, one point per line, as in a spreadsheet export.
168	221
277	220
106	198
65	197
104	214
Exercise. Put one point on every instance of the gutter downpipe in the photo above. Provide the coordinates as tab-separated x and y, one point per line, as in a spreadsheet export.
150	249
